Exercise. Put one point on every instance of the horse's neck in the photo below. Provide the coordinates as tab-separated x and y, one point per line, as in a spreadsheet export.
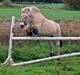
37	18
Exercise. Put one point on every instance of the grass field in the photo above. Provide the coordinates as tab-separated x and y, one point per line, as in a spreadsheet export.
21	52
56	13
68	66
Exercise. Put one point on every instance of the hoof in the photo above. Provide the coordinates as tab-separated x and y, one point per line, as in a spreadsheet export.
58	61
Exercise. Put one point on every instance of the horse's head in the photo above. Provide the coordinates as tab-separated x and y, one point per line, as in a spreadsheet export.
27	16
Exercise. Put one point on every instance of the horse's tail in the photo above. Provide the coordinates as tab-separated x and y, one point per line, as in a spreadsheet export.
60	43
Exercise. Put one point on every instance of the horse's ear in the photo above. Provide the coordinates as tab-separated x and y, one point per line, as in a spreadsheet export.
35	9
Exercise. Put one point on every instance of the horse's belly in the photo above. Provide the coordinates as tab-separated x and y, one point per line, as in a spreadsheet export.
45	33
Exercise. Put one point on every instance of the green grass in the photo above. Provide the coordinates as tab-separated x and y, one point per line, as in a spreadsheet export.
54	14
21	52
61	14
68	66
47	5
7	12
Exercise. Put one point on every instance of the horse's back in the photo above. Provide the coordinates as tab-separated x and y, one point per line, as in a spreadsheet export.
50	27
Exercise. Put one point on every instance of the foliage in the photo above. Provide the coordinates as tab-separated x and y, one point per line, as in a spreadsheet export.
7	2
44	1
68	66
1	0
73	3
3	52
23	51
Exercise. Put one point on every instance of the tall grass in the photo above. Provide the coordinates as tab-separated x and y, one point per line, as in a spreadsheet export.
23	51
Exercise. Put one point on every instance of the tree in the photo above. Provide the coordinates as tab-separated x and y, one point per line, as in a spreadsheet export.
1	0
7	2
57	1
72	3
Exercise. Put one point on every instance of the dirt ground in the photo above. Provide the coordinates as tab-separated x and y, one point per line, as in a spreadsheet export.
68	28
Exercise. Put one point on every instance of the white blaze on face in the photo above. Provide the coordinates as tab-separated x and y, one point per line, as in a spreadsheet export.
26	10
22	23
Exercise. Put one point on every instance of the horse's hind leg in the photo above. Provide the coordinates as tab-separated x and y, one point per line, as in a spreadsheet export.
50	43
58	49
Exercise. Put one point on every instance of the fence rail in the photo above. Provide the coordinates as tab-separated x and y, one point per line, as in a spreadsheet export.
46	59
46	38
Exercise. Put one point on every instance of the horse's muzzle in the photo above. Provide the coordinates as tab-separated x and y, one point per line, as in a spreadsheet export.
22	26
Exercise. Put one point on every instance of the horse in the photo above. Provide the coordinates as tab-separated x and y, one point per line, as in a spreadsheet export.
35	23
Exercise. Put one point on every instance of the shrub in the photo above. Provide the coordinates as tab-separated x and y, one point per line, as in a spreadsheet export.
3	53
25	52
7	2
73	3
36	51
1	0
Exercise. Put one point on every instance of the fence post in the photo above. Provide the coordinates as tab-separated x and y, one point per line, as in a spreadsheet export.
9	60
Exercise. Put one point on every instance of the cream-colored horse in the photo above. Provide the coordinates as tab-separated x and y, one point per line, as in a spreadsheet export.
35	23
